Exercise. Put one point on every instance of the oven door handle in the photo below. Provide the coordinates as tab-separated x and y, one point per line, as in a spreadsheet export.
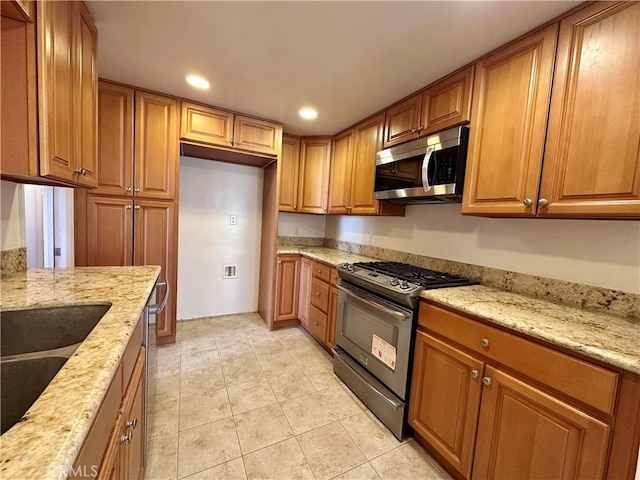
425	168
396	314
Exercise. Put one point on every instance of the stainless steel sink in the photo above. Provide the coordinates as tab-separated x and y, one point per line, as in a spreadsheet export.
35	344
23	381
36	330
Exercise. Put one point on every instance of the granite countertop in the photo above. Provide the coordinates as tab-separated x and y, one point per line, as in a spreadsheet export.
329	256
46	445
613	340
598	335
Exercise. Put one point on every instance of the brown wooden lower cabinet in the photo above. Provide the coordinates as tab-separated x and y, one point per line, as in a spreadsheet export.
114	447
287	290
305	291
486	418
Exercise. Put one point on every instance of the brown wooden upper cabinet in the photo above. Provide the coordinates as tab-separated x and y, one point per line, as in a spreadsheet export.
67	92
592	156
353	169
591	165
313	182
61	126
289	169
511	94
145	166
220	128
441	105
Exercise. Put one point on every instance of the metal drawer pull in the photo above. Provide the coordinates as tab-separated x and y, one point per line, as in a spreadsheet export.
527	202
474	373
157	308
317	294
126	438
133	423
484	342
487	381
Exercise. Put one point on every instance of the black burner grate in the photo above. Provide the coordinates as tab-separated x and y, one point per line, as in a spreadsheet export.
421	276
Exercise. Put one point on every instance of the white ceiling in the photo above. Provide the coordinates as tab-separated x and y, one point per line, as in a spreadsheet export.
270	58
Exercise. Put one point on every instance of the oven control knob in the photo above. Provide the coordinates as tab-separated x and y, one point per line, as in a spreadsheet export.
394	282
404	285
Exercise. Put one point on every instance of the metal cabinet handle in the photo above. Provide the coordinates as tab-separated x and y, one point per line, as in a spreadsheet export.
487	381
317	294
127	437
157	308
527	202
132	423
128	207
279	262
420	128
414	130
543	202
136	190
484	342
315	323
324	209
474	373
295	207
81	171
137	207
128	189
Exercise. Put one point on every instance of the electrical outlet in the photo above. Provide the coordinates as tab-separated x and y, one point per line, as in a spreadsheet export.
233	220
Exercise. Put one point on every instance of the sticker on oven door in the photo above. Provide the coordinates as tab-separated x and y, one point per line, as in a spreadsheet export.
385	352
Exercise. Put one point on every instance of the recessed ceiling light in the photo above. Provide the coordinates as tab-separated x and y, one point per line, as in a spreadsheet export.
308	113
197	82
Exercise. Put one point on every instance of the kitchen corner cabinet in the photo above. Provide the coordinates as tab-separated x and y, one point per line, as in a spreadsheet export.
313	183
287	290
511	93
288	174
221	128
496	405
114	446
67	92
592	162
441	105
304	297
353	169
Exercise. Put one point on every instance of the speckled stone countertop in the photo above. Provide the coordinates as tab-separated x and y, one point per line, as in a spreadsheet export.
46	445
329	256
604	337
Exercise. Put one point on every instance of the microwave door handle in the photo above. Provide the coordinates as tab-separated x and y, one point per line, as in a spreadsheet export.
425	169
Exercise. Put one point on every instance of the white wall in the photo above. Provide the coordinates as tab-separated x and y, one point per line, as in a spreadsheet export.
209	193
299	225
603	253
12	218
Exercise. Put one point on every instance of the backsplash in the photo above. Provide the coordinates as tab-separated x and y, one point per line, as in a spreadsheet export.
301	241
13	260
615	302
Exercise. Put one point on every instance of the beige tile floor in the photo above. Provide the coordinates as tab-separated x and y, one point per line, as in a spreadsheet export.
231	400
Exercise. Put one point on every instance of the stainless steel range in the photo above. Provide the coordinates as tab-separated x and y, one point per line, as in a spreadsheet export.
375	331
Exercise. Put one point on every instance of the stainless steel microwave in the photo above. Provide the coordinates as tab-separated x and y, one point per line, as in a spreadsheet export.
426	170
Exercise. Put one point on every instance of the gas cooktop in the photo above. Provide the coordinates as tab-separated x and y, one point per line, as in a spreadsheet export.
397	281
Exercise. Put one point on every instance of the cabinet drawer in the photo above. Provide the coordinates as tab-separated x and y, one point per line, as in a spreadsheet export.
318	324
320	294
335	278
130	354
590	384
322	271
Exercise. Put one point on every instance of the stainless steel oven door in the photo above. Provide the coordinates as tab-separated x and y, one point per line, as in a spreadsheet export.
377	334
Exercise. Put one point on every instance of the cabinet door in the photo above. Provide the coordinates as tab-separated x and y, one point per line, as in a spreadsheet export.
445	399
288	165
314	174
87	94
340	176
132	454
155	244
287	287
592	160
402	121
367	141
115	140
206	125
109	231
57	90
331	317
156	140
526	433
511	94
447	103
304	298
258	136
